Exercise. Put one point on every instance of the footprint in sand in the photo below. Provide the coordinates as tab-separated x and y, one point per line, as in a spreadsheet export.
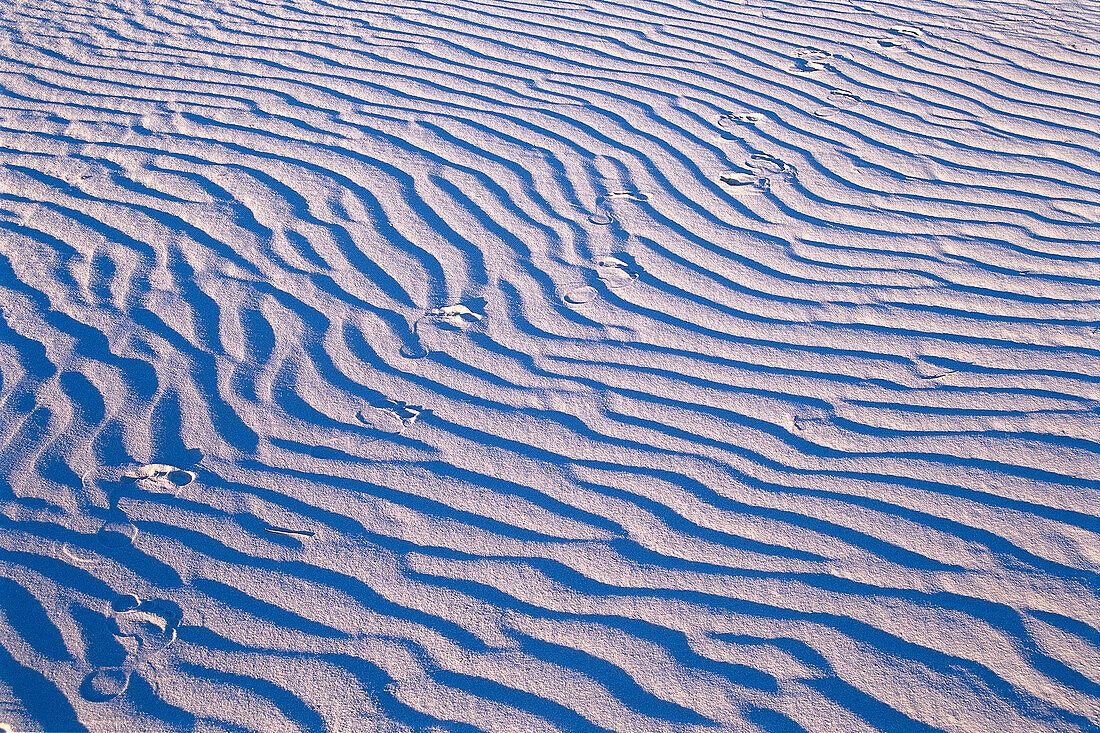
891	44
157	478
151	624
617	271
628	194
744	182
117	533
413	348
812	421
580	294
384	414
843	98
603	214
768	164
809	61
105	684
455	317
734	119
805	67
838	100
907	30
125	602
895	44
801	423
459	315
142	628
160	478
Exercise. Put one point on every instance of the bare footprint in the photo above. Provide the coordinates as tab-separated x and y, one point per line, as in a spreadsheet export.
413	348
734	119
809	61
144	628
459	315
454	317
838	99
628	194
737	178
896	44
152	623
392	410
579	295
767	163
160	478
617	272
125	602
843	98
105	684
602	214
891	44
744	182
805	67
812	421
117	533
802	424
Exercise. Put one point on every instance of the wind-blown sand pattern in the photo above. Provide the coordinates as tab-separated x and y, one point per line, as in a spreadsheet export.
549	366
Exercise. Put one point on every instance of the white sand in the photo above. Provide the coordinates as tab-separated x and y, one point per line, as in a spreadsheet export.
505	366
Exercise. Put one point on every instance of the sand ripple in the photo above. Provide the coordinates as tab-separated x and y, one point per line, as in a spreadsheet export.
562	366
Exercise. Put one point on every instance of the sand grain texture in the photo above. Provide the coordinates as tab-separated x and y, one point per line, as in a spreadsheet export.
655	366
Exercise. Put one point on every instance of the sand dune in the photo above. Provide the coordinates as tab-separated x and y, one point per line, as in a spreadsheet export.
653	366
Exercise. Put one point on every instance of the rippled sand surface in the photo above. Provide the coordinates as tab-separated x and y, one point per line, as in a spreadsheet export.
576	366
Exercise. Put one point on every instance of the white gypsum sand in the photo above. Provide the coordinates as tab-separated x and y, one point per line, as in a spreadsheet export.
657	366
